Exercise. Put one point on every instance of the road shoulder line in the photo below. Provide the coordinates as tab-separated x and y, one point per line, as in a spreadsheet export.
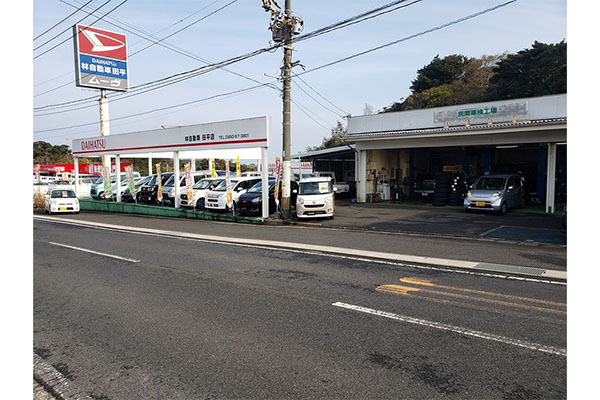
468	265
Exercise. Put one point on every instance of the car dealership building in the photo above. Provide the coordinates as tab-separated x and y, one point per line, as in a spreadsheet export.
525	136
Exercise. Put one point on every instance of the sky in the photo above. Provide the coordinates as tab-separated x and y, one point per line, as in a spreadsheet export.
320	99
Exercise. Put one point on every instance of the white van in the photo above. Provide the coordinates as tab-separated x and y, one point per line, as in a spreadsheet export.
200	190
315	198
216	199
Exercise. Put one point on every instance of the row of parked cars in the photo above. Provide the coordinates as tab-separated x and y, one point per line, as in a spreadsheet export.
311	197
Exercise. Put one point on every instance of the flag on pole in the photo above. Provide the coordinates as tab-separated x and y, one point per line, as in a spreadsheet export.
228	183
130	183
188	183
106	179
238	170
211	166
159	195
278	176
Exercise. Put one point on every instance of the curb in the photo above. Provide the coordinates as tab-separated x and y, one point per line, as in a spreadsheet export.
55	382
532	272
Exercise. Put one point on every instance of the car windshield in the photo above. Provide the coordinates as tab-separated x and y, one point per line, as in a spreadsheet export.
221	187
258	187
100	180
63	194
489	183
316	187
204	184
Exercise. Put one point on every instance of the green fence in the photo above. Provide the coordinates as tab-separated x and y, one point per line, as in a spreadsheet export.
144	209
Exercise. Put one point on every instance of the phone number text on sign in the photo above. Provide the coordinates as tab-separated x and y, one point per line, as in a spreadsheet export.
234	136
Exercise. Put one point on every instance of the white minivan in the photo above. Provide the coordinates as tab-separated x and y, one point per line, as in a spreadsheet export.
200	189
315	198
216	199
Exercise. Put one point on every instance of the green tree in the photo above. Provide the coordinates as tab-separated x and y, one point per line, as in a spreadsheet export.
44	153
336	139
539	71
439	71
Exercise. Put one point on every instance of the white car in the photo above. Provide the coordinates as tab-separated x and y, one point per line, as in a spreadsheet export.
216	199
316	198
61	200
200	189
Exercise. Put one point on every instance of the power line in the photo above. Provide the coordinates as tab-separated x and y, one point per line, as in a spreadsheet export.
61	21
69	28
320	95
358	18
69	38
376	48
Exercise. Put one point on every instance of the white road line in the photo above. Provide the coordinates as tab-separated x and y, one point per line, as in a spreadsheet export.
456	329
373	256
95	252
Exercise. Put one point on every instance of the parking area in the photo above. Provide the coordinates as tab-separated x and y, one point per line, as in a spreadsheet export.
516	225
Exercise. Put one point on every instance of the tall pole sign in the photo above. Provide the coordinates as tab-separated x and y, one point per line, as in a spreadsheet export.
101	63
101	59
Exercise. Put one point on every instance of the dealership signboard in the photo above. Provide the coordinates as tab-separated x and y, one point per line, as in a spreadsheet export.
236	134
100	58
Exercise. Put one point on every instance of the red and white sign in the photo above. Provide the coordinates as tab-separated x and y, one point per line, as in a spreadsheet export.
102	43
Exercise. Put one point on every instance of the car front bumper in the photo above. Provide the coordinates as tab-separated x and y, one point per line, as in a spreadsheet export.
314	210
483	204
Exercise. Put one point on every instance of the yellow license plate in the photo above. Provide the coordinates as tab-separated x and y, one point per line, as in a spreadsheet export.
63	209
480	203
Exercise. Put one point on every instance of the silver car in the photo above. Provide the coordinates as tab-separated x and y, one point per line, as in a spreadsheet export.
495	193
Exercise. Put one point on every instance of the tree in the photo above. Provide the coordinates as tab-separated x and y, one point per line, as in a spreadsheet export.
368	110
44	153
336	139
539	71
439	72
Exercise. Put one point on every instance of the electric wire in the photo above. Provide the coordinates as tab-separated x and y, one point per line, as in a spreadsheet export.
61	21
375	12
72	36
375	48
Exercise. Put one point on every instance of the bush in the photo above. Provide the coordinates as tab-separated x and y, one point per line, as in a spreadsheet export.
38	201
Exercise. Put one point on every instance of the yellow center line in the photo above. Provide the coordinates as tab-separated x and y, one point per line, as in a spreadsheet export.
422	282
405	290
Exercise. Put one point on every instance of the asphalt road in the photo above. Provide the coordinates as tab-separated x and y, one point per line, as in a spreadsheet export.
192	319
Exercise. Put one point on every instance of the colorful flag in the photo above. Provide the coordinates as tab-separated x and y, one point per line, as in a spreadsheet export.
129	173
228	183
106	179
238	170
188	183
159	195
211	166
278	172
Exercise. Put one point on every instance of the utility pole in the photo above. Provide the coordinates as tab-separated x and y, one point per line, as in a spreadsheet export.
283	26
287	114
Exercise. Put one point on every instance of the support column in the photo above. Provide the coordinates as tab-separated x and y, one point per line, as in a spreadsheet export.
76	162
550	178
118	176
150	169
176	173
104	123
362	173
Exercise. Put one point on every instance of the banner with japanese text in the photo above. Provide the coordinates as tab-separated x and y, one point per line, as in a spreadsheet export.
211	166
228	183
130	182
159	195
188	183
238	169
278	177
106	179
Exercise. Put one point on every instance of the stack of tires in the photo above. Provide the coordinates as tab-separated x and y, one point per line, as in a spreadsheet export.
442	189
458	187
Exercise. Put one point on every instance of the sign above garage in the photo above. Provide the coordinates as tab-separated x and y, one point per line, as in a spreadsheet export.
236	134
501	112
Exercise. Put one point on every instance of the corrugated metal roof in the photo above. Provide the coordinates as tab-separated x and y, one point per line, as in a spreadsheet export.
462	128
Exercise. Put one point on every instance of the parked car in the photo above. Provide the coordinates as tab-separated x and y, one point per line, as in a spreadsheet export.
126	196
341	187
149	191
169	186
199	191
250	203
424	187
495	193
316	198
61	200
97	188
216	199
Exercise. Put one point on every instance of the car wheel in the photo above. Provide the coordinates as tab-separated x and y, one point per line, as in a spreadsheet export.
503	208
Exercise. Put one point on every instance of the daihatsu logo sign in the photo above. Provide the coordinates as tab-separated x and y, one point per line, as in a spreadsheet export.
99	45
101	58
95	144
